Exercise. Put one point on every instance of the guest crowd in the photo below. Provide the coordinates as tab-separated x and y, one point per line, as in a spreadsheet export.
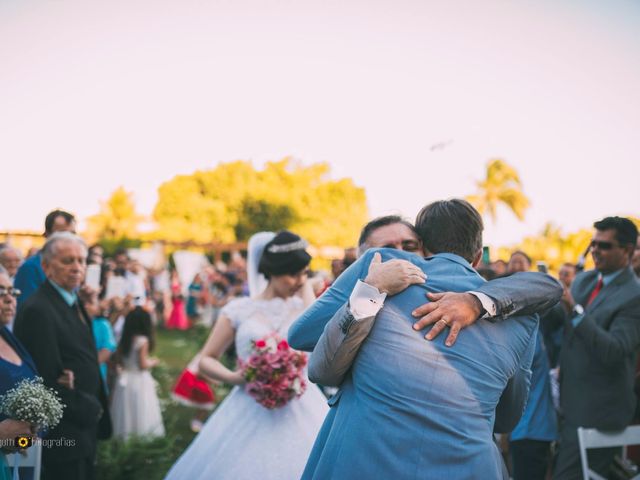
85	322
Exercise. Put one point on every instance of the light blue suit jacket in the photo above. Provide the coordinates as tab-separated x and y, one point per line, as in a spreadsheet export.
413	408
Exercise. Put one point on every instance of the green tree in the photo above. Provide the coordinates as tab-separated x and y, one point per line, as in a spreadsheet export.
235	200
117	219
501	185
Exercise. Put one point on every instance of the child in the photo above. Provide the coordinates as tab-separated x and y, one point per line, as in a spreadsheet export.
135	409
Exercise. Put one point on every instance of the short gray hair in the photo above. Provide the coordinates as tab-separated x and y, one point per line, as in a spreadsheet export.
9	248
51	245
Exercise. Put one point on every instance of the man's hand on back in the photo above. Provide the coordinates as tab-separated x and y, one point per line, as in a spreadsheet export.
447	309
393	276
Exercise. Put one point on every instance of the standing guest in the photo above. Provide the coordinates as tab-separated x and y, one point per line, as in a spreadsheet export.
135	405
178	318
519	262
56	330
499	266
15	363
598	357
31	275
102	333
566	274
10	259
635	260
96	255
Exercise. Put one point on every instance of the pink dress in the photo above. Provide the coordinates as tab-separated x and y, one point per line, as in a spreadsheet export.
178	318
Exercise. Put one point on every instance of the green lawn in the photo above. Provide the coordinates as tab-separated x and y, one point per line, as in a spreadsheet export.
151	459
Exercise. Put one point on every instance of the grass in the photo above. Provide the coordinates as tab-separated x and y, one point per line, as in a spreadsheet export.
151	459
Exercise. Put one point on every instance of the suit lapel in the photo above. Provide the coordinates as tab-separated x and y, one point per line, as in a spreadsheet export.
609	290
581	292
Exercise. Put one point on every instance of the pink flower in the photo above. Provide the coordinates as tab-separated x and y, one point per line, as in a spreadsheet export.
283	345
261	343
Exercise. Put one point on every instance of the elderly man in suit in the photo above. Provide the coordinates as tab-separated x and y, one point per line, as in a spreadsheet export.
602	336
407	407
56	330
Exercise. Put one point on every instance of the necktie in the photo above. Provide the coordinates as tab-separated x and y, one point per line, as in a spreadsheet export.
595	291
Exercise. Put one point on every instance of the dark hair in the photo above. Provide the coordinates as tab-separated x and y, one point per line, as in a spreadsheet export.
451	226
285	254
378	222
51	218
121	251
137	322
626	230
520	252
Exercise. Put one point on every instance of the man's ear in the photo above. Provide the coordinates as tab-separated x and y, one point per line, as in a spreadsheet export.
477	259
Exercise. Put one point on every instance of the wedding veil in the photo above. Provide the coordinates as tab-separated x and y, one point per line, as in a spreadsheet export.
257	281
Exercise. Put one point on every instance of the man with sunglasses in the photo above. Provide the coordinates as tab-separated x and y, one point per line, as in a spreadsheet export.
602	336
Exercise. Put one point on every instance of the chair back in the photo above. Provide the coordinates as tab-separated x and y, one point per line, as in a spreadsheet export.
593	438
33	459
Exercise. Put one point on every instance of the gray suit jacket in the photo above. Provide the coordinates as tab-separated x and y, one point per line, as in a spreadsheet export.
408	405
598	358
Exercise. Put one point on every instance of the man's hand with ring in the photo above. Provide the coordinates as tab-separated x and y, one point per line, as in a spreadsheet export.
447	309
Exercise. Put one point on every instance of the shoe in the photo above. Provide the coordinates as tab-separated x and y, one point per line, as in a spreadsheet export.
196	425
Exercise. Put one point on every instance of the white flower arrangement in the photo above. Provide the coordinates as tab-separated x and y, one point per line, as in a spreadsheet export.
30	401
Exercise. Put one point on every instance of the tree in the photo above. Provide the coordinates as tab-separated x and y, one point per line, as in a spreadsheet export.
117	219
501	185
234	200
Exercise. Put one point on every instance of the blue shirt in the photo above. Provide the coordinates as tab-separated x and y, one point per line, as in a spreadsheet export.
70	298
29	277
539	421
103	335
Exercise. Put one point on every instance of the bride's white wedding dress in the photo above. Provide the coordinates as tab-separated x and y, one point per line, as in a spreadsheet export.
242	439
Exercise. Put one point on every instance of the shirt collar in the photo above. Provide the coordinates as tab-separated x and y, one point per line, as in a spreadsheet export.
69	297
610	277
454	258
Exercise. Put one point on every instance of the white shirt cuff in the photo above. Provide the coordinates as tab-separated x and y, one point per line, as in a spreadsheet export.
488	304
365	301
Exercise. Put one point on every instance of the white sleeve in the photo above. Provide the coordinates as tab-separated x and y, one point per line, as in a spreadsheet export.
365	301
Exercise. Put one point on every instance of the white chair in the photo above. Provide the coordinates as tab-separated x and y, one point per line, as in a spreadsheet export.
33	459
593	438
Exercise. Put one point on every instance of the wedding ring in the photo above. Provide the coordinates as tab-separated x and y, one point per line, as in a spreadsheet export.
443	320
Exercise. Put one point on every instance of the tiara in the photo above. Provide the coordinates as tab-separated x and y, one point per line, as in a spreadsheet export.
288	247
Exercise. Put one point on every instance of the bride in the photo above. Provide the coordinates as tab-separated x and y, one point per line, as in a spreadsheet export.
242	439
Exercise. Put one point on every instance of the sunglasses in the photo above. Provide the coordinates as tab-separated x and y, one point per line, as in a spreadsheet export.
14	292
601	245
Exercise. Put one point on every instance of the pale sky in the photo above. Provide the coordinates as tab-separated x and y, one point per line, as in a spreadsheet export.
94	95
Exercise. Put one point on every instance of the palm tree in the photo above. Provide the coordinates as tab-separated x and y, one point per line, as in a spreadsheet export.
502	185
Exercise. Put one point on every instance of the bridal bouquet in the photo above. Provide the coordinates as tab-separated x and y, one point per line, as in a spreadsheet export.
32	402
274	372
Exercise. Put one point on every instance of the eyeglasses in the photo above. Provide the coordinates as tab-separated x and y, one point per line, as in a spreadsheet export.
601	245
14	292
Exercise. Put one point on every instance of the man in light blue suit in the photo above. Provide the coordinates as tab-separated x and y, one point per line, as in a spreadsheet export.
408	408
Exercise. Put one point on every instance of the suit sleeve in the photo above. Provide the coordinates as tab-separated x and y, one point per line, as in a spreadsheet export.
337	347
514	397
523	293
37	333
619	341
307	329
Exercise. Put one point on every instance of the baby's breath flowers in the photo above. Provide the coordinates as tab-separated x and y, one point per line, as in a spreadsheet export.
32	402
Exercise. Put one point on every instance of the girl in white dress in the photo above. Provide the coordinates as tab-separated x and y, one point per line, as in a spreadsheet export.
135	409
242	439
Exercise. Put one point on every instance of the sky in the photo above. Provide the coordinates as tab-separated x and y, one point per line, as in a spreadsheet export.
408	98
